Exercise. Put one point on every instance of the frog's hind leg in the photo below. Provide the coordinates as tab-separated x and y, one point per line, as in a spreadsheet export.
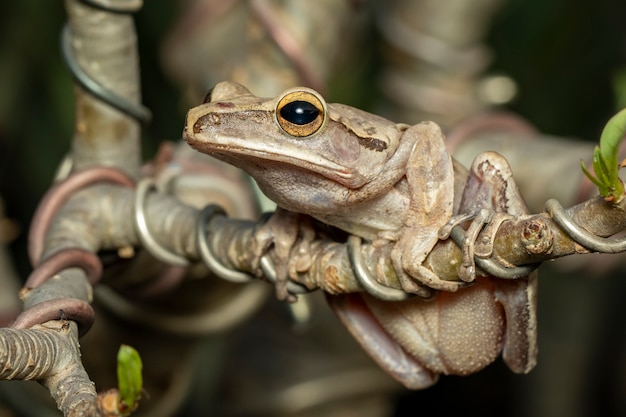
371	334
490	196
490	186
519	300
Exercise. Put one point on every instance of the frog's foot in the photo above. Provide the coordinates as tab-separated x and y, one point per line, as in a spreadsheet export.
407	257
454	221
467	270
478	240
279	232
289	235
409	285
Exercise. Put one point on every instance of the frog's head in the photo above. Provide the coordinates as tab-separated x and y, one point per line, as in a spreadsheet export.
299	133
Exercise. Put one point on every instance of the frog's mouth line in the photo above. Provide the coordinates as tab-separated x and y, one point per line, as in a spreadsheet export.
321	166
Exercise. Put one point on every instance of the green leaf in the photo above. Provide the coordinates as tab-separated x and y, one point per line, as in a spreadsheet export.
605	159
600	167
589	175
129	379
610	140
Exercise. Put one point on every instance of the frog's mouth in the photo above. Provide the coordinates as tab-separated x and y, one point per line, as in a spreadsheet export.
240	156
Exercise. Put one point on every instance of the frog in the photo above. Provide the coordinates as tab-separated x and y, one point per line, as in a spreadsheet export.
456	333
389	184
344	167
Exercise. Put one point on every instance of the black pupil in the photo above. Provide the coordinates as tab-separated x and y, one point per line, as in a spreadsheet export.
299	112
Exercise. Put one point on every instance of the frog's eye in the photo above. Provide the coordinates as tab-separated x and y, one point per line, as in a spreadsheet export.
300	113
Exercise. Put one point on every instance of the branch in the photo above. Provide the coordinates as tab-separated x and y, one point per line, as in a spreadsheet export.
522	241
100	49
50	354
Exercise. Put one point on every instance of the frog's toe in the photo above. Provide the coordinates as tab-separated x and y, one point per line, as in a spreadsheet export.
282	292
427	277
449	286
406	279
275	270
261	244
282	279
411	286
467	272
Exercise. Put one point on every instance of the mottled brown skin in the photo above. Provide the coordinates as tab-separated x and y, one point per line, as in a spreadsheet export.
385	182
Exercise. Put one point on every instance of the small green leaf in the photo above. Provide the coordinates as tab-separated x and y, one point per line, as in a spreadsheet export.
129	379
612	136
599	166
589	175
605	159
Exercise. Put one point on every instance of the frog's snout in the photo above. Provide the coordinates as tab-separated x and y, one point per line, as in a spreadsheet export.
198	120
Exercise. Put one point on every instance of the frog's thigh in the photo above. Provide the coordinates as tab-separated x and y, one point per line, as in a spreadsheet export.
490	185
456	333
358	319
519	299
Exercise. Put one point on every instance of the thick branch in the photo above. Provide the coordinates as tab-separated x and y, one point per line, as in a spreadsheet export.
101	45
526	240
105	47
50	354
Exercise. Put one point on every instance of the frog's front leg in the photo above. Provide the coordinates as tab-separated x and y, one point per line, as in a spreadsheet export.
430	179
281	231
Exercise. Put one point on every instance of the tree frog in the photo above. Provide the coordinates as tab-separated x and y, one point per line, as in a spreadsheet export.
389	183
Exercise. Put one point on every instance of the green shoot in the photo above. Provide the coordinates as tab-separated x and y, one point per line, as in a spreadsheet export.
605	163
129	379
